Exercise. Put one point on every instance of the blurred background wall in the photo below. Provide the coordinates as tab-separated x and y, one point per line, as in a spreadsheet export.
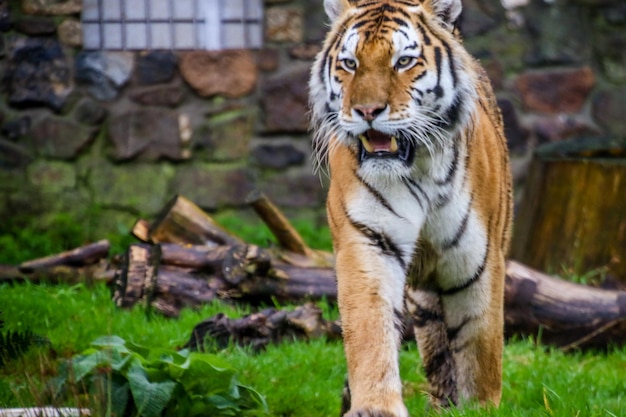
104	136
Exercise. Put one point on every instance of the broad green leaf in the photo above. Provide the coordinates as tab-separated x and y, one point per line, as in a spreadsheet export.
207	375
83	365
120	393
110	341
150	398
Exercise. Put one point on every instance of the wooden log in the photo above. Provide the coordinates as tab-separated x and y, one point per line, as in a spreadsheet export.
59	274
169	277
287	236
183	222
294	251
561	313
196	257
174	289
84	255
134	281
572	215
259	329
141	230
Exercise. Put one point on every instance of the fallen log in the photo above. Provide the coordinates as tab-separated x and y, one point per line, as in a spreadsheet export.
259	329
561	313
168	277
84	255
83	264
288	238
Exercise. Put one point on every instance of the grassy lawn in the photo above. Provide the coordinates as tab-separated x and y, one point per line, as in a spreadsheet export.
297	378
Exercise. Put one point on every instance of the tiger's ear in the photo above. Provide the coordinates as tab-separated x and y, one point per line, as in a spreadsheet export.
334	8
447	10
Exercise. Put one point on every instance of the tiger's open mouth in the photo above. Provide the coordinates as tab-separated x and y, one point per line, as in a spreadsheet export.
375	144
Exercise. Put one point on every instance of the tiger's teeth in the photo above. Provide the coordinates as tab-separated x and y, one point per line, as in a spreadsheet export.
393	147
366	144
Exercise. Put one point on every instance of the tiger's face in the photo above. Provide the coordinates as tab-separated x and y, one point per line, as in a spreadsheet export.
388	82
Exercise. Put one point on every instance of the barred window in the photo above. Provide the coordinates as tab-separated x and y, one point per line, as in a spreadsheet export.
172	24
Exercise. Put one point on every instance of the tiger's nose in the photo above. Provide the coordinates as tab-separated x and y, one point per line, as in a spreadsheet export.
369	112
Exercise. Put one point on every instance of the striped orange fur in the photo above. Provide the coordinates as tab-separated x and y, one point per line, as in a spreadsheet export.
419	203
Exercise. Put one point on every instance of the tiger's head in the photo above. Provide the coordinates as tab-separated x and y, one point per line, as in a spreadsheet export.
391	81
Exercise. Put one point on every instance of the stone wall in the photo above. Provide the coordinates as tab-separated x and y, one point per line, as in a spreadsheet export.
107	136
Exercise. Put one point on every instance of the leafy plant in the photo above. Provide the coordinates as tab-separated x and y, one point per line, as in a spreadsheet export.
130	380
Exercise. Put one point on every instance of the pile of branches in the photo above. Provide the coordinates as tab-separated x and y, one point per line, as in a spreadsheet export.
185	259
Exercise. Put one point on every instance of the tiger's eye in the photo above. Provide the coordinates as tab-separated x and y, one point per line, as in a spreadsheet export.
405	62
348	64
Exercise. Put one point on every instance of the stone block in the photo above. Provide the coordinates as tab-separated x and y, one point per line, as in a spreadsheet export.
148	134
558	33
268	59
294	190
13	156
158	95
556	91
609	109
213	187
137	187
609	45
562	127
58	138
279	156
52	7
70	32
89	112
305	51
37	73
283	24
52	176
285	101
230	73
16	128
474	21
225	137
35	26
315	22
103	72
6	21
155	67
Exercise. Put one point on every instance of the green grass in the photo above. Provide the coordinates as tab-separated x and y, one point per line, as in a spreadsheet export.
298	378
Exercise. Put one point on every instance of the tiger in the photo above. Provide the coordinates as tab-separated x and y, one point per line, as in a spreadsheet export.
406	125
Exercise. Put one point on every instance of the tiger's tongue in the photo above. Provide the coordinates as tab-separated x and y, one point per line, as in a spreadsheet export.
375	141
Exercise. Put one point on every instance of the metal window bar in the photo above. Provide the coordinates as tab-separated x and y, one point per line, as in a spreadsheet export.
212	14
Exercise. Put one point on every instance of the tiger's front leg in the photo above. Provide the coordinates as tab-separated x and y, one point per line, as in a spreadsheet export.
370	295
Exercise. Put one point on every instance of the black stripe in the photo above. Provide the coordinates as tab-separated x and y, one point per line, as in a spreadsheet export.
453	332
450	62
453	168
474	278
461	229
422	30
423	317
412	186
434	362
398	321
438	90
400	22
377	195
380	240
